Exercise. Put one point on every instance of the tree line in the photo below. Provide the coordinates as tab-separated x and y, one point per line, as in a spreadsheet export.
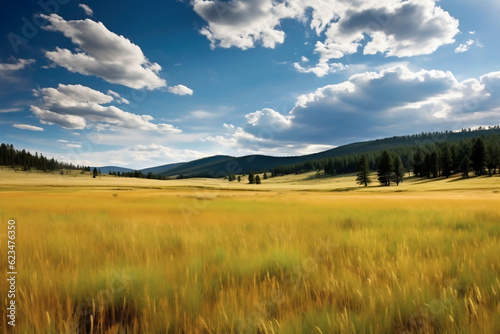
139	174
442	162
480	155
11	157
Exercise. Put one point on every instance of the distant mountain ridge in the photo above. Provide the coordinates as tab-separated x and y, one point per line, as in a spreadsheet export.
155	170
222	165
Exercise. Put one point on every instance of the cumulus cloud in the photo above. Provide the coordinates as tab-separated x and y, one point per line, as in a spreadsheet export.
27	127
19	64
78	107
372	105
86	9
180	90
103	53
241	23
401	29
394	28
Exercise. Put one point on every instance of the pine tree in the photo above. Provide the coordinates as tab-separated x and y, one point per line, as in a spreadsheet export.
446	160
433	164
465	167
251	178
363	176
399	170
385	166
478	156
418	162
426	167
257	179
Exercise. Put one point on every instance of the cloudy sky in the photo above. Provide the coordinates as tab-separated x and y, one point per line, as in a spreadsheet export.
139	84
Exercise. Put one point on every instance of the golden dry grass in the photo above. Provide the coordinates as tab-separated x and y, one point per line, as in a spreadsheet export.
302	255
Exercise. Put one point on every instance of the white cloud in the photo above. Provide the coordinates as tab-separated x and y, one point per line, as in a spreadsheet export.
27	127
86	9
78	107
393	101
136	156
180	90
394	27
118	97
152	152
268	119
321	69
73	145
70	144
104	54
18	65
241	23
6	110
464	47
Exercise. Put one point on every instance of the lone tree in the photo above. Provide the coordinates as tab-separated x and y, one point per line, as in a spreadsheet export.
465	167
385	168
363	176
94	172
478	156
257	179
239	178
251	178
399	170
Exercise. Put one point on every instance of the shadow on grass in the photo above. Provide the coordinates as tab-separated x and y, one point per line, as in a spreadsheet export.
457	179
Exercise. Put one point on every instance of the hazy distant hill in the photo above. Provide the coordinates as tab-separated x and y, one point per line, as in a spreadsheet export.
155	170
161	169
221	165
200	167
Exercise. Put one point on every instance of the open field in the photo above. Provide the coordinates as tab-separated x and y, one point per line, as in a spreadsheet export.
297	254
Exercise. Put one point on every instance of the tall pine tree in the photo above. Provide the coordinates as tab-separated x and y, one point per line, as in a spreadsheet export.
363	176
446	160
385	167
399	170
478	156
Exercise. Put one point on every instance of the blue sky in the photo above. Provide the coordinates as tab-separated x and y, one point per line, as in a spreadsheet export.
139	84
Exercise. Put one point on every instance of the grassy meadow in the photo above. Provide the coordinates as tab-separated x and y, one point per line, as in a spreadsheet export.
297	254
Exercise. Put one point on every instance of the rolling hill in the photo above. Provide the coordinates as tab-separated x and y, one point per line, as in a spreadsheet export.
220	166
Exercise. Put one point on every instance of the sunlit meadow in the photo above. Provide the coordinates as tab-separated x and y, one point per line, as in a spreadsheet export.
102	257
